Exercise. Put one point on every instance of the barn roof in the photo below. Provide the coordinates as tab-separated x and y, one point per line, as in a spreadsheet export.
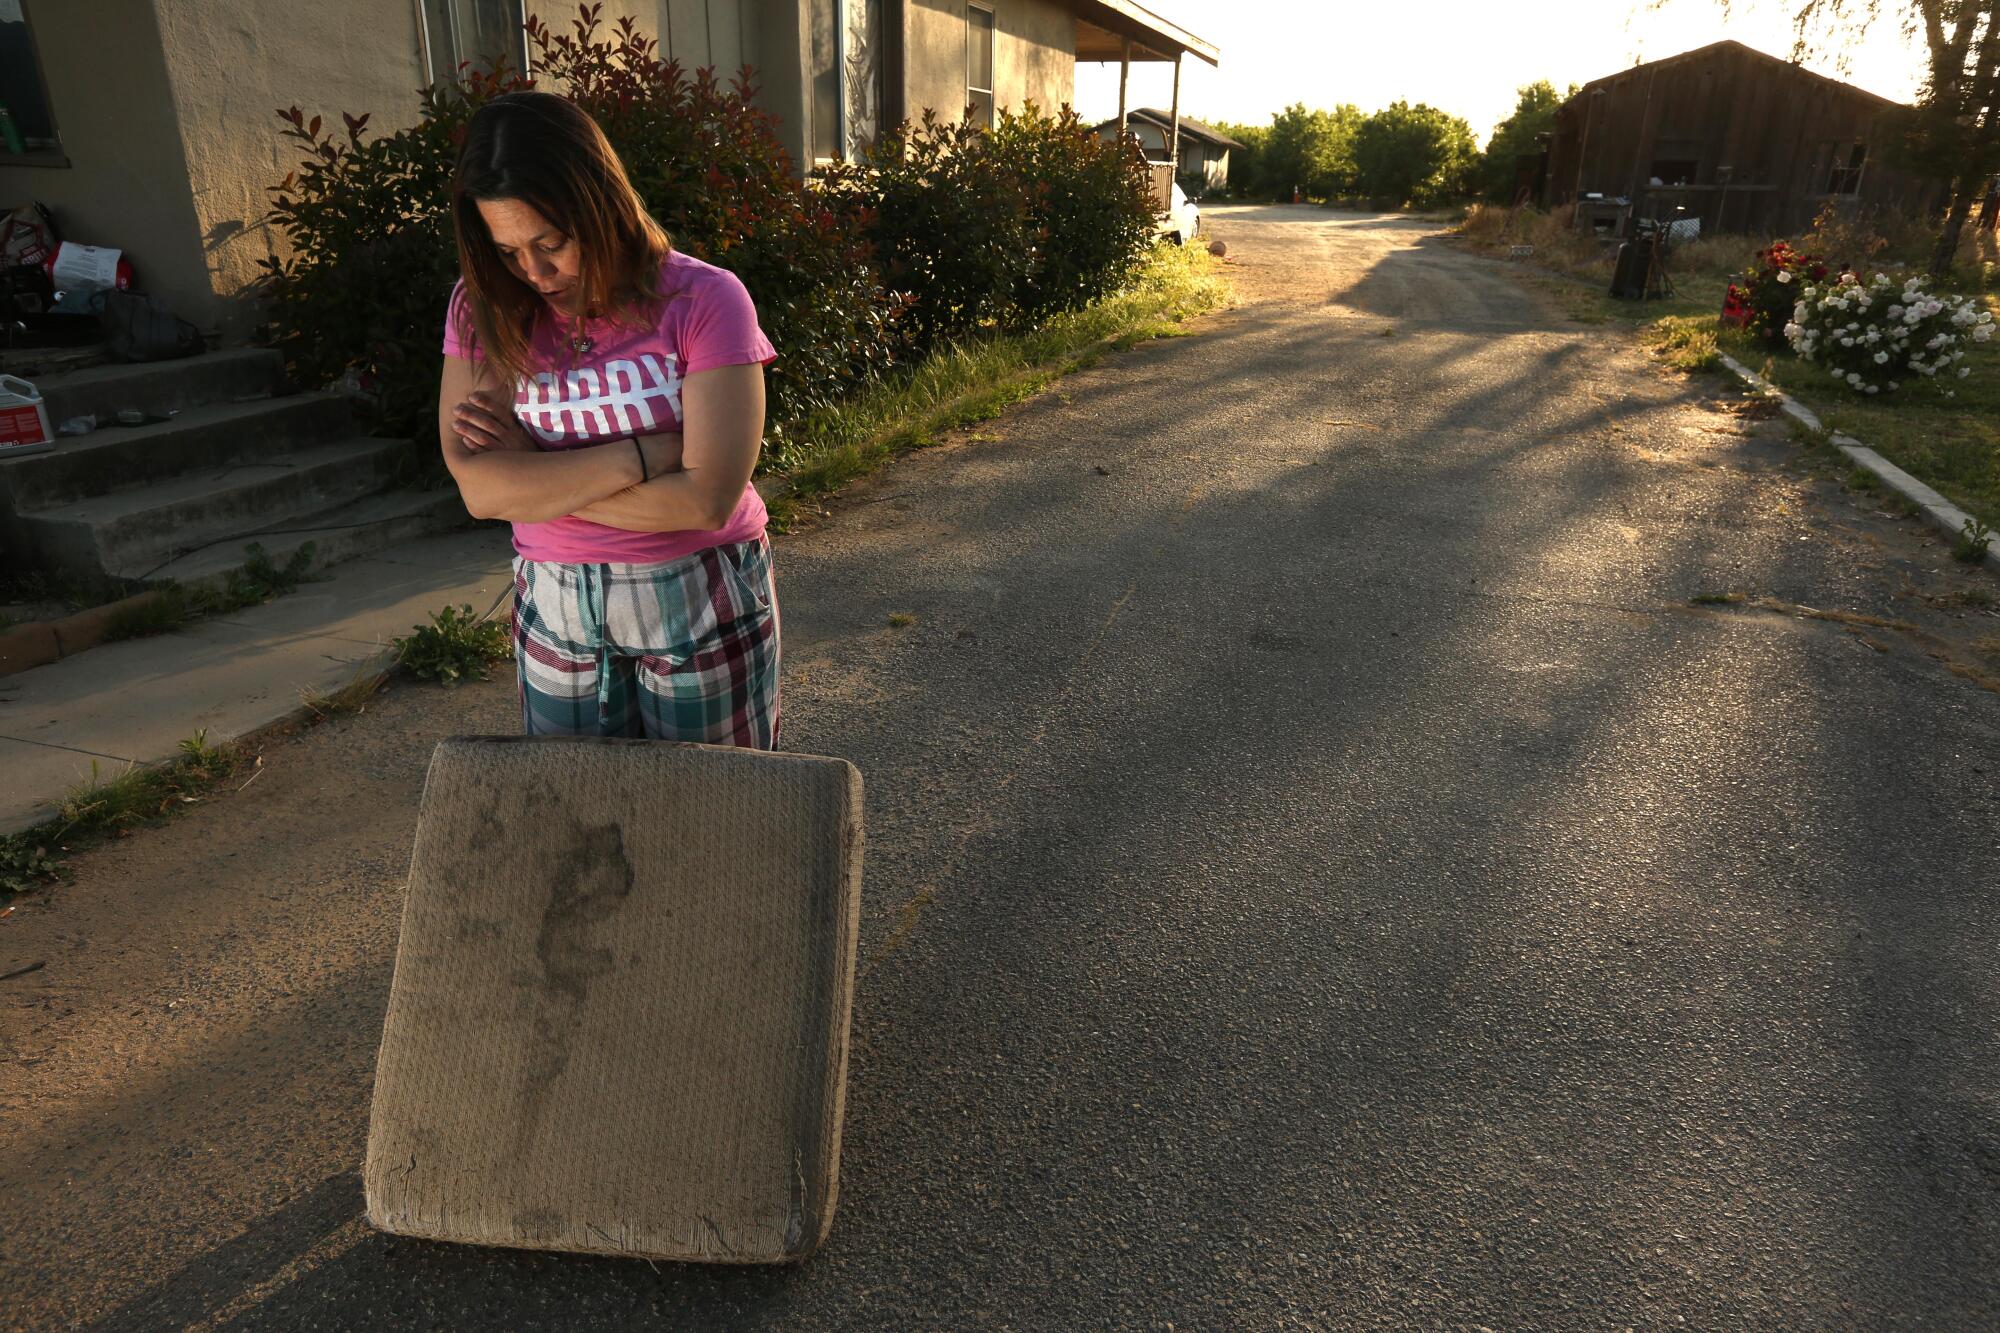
1738	48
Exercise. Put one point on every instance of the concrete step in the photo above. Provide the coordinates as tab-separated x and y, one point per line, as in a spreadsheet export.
232	376
130	534
361	527
123	457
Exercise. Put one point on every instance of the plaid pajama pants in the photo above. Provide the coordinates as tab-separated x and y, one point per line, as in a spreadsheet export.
682	651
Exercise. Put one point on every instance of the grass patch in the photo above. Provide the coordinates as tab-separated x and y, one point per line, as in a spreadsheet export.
102	807
258	580
1951	443
902	620
455	647
1684	342
966	383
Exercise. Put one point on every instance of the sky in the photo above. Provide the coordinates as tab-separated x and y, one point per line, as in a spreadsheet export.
1465	56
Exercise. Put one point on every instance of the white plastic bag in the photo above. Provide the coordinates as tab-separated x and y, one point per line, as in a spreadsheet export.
84	268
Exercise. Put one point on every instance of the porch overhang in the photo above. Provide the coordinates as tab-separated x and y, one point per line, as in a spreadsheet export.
1103	27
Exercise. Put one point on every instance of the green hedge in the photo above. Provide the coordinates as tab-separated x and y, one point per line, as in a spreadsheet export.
997	229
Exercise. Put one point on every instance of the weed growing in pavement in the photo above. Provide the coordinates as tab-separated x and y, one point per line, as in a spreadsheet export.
1970	548
258	581
902	620
1901	505
456	646
55	593
1861	479
25	865
102	807
1978	595
352	697
1715	599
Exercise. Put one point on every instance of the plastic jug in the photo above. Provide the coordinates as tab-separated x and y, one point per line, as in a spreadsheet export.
24	420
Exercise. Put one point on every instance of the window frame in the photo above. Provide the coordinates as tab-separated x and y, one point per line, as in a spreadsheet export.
1844	177
992	60
53	155
837	12
427	57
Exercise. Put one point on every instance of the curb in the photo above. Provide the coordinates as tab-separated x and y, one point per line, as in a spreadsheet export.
1942	513
44	641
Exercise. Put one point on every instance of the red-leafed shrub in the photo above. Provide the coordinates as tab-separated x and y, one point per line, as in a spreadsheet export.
949	224
362	295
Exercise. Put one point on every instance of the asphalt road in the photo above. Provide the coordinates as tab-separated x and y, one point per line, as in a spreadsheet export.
1323	873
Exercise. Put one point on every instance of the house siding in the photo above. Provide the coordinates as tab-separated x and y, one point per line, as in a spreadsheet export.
1202	165
1034	57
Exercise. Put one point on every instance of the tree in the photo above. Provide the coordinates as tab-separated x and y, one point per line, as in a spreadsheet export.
1414	154
1249	173
1953	133
1518	136
1312	150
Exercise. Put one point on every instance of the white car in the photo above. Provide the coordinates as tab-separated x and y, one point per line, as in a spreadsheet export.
1183	223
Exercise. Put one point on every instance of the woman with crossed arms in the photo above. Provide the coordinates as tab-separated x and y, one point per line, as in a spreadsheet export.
605	394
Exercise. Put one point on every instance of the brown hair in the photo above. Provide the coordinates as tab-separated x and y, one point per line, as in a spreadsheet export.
546	152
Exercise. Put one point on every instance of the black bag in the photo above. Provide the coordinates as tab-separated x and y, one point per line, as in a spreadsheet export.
139	328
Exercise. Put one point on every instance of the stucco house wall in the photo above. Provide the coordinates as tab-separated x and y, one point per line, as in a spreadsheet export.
230	66
127	185
1034	57
166	116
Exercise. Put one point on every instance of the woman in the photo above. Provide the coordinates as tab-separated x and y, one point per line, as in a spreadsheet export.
605	393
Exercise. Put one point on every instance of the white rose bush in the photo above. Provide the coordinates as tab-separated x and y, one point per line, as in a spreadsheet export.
1879	335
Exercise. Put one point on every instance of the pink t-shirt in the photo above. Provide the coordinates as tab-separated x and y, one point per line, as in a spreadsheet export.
629	383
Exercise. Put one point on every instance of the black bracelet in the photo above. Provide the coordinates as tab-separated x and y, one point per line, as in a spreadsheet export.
645	475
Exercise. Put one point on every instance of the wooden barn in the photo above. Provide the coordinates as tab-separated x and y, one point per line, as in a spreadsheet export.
1740	139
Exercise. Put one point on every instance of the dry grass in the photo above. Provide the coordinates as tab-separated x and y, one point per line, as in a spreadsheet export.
1713	260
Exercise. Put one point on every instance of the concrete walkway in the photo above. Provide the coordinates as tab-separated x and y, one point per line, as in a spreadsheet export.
135	701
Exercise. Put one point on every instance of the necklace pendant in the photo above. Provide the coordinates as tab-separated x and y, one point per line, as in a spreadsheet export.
581	344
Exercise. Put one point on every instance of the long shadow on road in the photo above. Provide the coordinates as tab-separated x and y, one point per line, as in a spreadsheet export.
1344	884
